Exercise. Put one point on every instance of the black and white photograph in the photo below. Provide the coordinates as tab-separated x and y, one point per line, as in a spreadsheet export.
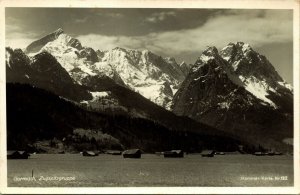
136	96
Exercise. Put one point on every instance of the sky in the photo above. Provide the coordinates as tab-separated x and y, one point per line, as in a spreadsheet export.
179	33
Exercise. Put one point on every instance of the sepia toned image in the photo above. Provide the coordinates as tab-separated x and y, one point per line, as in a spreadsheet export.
149	97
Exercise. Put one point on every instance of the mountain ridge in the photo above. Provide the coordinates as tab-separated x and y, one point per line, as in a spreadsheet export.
221	88
39	76
153	76
216	92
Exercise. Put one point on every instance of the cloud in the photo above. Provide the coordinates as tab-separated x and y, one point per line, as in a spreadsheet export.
12	28
160	16
220	30
15	36
19	39
254	27
103	42
21	43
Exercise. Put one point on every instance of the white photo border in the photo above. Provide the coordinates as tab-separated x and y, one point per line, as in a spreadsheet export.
216	4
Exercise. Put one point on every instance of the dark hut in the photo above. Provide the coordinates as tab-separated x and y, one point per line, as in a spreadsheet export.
272	153
17	155
89	153
173	154
208	153
133	153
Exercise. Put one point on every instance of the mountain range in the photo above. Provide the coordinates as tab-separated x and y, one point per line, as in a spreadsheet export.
232	96
238	90
153	76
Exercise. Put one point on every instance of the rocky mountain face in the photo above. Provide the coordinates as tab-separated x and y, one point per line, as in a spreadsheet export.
239	91
185	68
258	75
152	76
235	92
42	71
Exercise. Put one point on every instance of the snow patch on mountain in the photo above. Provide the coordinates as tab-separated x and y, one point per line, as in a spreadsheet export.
104	67
286	85
174	90
245	47
87	70
224	105
235	65
200	77
98	94
205	59
258	88
151	92
141	72
182	63
255	72
66	55
227	58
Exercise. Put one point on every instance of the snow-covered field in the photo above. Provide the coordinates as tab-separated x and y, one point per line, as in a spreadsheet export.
151	170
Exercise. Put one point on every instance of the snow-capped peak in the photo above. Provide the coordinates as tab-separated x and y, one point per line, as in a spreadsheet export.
210	51
119	49
146	51
248	69
36	46
145	72
58	32
207	55
246	47
153	76
254	70
232	49
243	46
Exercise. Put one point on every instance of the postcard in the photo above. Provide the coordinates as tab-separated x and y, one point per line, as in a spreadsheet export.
150	97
